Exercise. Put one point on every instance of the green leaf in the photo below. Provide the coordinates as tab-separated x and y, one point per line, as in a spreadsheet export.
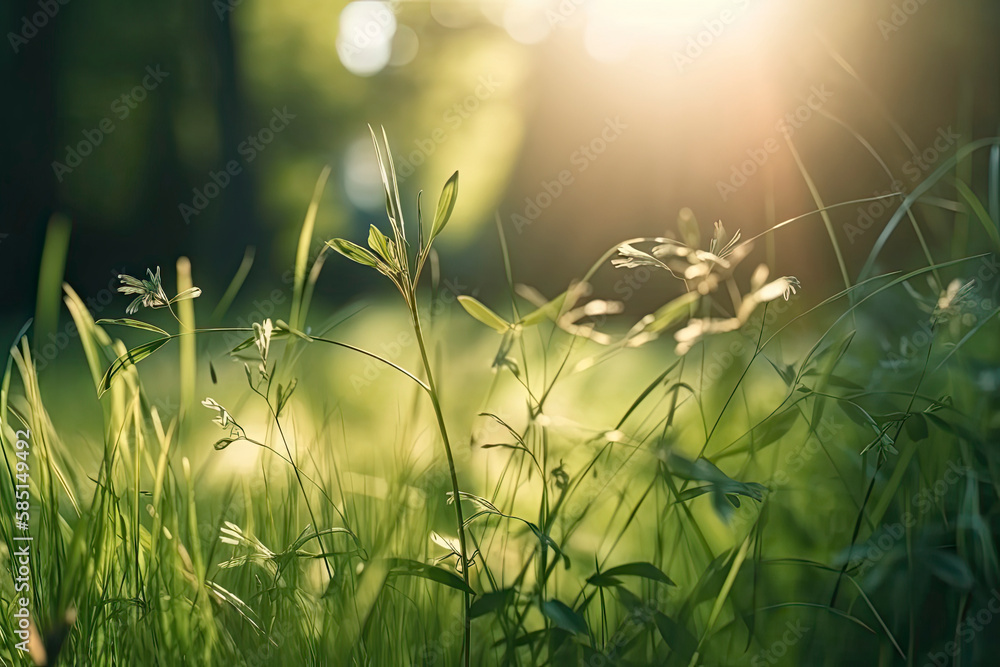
354	252
285	393
483	314
671	312
776	427
189	293
548	541
977	207
677	637
723	488
135	324
488	602
644	570
223	443
420	223
412	568
564	617
602	580
132	357
381	244
446	204
552	309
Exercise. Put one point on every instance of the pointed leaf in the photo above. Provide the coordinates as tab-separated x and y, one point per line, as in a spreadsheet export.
644	570
548	541
412	568
483	314
602	580
135	324
223	443
381	244
548	311
677	637
133	356
446	204
354	252
564	617
189	293
488	602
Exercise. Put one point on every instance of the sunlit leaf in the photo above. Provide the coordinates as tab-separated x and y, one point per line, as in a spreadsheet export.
381	244
354	252
130	358
483	314
446	204
223	443
135	324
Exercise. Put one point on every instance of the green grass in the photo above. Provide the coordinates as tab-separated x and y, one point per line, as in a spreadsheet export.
787	486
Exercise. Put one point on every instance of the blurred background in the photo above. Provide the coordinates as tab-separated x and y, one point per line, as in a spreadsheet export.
163	129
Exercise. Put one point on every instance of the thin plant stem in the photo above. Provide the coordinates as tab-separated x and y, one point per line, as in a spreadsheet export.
456	497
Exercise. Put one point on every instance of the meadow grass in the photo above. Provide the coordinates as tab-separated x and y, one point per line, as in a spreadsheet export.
789	486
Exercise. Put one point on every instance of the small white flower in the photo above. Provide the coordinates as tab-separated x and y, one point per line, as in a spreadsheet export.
223	418
951	300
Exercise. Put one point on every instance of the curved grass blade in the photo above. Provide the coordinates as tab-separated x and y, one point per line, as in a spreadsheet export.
130	358
234	285
644	570
412	568
302	252
135	324
475	308
925	185
977	207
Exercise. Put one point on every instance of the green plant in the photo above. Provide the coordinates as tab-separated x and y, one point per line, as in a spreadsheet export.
393	259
